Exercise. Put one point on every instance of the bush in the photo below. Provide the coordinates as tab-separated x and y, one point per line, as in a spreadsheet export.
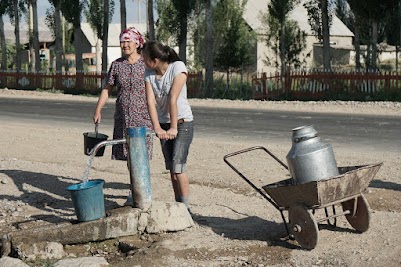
235	90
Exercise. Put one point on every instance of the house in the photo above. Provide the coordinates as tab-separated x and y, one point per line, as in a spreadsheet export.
46	39
91	43
88	46
340	37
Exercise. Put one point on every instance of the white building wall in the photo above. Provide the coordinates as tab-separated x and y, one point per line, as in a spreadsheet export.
340	34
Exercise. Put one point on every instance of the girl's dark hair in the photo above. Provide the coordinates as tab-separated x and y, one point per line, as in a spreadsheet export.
155	49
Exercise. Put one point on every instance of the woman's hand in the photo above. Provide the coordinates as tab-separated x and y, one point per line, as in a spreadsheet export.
161	134
96	117
172	133
104	95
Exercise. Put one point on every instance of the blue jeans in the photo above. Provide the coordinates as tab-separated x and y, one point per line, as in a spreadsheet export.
176	151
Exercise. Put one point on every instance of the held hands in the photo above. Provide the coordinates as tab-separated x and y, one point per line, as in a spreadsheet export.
170	134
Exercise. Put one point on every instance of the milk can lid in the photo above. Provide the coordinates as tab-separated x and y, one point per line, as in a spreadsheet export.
303	133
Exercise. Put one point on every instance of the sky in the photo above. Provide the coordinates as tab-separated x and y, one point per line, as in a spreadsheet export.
136	10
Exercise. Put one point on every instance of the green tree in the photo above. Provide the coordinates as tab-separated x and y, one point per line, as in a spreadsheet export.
294	40
94	15
105	34
326	35
151	20
57	32
184	9
166	25
226	15
3	45
361	32
320	19
72	11
344	13
34	36
373	11
238	42
352	21
276	21
123	14
392	30
3	10
209	48
173	22
16	8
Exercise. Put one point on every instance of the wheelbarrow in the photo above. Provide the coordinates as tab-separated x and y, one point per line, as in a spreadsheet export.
302	200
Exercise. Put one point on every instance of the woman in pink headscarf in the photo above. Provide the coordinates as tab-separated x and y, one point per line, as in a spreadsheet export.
127	75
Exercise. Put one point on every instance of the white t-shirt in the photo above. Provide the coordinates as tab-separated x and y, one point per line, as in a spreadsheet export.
161	88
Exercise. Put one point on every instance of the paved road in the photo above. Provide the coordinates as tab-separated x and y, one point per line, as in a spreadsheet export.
377	133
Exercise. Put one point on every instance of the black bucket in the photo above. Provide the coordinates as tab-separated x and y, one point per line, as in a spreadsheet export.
91	140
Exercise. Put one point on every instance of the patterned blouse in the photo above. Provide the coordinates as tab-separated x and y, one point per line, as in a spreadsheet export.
131	107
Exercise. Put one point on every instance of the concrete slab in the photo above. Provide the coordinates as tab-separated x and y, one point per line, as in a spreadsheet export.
124	221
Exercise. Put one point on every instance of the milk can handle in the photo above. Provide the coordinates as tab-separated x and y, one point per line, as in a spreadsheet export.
303	138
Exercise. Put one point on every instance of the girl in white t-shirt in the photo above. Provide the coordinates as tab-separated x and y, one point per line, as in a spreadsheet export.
170	112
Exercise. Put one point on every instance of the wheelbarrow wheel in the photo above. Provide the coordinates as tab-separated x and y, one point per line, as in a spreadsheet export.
303	226
359	218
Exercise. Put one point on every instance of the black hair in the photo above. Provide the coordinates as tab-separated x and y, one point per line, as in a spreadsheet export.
155	49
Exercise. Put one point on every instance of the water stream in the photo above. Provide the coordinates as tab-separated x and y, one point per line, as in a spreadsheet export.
85	176
92	154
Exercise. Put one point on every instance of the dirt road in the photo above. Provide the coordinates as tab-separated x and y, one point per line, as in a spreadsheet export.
235	226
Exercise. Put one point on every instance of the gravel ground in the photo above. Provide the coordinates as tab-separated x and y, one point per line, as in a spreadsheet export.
235	226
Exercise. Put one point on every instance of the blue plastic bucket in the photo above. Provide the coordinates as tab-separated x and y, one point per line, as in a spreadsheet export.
88	200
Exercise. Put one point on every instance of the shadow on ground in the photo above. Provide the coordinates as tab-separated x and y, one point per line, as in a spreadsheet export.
385	185
249	228
48	193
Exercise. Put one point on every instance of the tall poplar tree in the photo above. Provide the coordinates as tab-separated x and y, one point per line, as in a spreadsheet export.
326	35
72	11
373	11
238	41
279	10
151	20
3	10
293	38
173	22
105	37
34	36
16	9
94	14
58	34
123	14
209	48
320	19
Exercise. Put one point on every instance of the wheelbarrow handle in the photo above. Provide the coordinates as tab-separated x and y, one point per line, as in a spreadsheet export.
246	179
255	148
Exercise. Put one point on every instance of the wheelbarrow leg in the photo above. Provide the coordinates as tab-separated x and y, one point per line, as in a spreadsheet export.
334	223
285	223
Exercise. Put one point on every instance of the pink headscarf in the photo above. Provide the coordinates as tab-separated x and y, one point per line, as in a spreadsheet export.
132	34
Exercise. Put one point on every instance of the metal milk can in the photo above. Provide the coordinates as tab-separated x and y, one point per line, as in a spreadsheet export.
310	159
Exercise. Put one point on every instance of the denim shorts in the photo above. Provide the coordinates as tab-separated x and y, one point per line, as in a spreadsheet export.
176	151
